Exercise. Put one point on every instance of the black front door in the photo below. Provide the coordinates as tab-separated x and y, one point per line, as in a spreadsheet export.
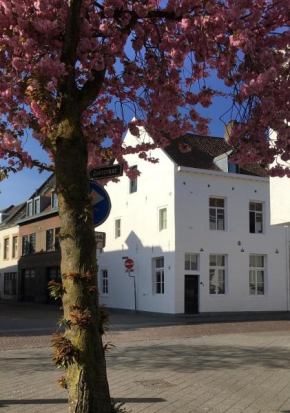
29	284
191	294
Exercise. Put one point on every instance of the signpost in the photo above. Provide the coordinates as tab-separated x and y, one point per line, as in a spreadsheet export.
129	265
101	203
106	172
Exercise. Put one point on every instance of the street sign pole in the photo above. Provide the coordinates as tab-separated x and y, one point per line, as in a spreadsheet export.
135	293
129	265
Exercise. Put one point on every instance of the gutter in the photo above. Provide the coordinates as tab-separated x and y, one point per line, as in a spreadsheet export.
222	174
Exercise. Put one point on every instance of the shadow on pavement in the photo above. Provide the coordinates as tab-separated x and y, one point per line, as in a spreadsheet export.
189	357
6	403
139	400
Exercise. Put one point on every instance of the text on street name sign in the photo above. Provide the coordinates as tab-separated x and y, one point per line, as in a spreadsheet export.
106	172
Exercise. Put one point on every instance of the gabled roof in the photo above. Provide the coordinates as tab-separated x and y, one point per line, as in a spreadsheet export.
203	151
15	213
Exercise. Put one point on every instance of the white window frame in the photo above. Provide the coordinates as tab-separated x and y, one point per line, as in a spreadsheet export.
190	256
117	228
159	277
30	207
35	200
254	272
256	213
54	200
105	281
218	268
162	221
217	210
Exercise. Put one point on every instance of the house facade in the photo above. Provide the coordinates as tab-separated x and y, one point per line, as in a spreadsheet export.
198	230
29	247
9	252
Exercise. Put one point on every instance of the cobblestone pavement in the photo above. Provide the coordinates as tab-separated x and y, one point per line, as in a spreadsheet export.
231	367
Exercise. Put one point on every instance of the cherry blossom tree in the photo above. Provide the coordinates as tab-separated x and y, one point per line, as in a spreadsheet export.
70	70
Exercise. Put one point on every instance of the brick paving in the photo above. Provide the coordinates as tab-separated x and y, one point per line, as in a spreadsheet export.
231	367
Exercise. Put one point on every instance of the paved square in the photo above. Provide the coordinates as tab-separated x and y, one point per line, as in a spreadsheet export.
167	368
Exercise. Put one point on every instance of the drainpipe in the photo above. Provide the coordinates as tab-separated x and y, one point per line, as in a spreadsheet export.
287	265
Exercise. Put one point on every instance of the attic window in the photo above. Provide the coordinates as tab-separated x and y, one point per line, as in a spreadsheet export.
233	168
29	208
54	200
37	205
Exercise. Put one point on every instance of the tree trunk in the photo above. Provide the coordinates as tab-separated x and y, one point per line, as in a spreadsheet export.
86	377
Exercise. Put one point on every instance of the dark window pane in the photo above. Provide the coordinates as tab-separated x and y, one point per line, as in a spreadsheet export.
187	262
25	245
259	223
212	260
32	243
252	222
56	239
220	203
252	206
49	240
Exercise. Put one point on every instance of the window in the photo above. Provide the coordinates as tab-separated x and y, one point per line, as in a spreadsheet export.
32	243
257	275
10	283
133	182
217	213
117	228
191	262
14	247
159	275
6	248
49	240
53	273
233	168
28	244
162	219
52	239
57	239
256	217
54	200
105	284
29	208
37	205
25	245
217	270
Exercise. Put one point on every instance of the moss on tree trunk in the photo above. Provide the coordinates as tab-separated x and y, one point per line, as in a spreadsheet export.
86	377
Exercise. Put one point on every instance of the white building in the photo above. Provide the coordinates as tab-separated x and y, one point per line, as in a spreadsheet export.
198	230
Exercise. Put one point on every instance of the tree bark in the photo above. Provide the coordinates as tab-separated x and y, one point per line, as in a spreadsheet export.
86	377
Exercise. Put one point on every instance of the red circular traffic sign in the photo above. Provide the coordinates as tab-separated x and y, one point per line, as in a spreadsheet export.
129	264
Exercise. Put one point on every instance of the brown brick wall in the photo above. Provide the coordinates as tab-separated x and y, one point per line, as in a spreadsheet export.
39	228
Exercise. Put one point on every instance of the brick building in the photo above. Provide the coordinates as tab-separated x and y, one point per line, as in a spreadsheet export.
36	260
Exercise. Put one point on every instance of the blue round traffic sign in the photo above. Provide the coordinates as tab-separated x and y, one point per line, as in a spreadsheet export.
101	203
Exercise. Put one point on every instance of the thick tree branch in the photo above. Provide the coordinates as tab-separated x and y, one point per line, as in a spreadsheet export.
91	89
70	44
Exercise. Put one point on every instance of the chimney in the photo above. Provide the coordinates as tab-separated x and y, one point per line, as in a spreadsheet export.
228	130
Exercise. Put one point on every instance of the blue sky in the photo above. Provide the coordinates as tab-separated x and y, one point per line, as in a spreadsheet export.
18	187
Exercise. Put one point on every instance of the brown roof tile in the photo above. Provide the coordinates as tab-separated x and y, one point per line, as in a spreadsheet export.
203	151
